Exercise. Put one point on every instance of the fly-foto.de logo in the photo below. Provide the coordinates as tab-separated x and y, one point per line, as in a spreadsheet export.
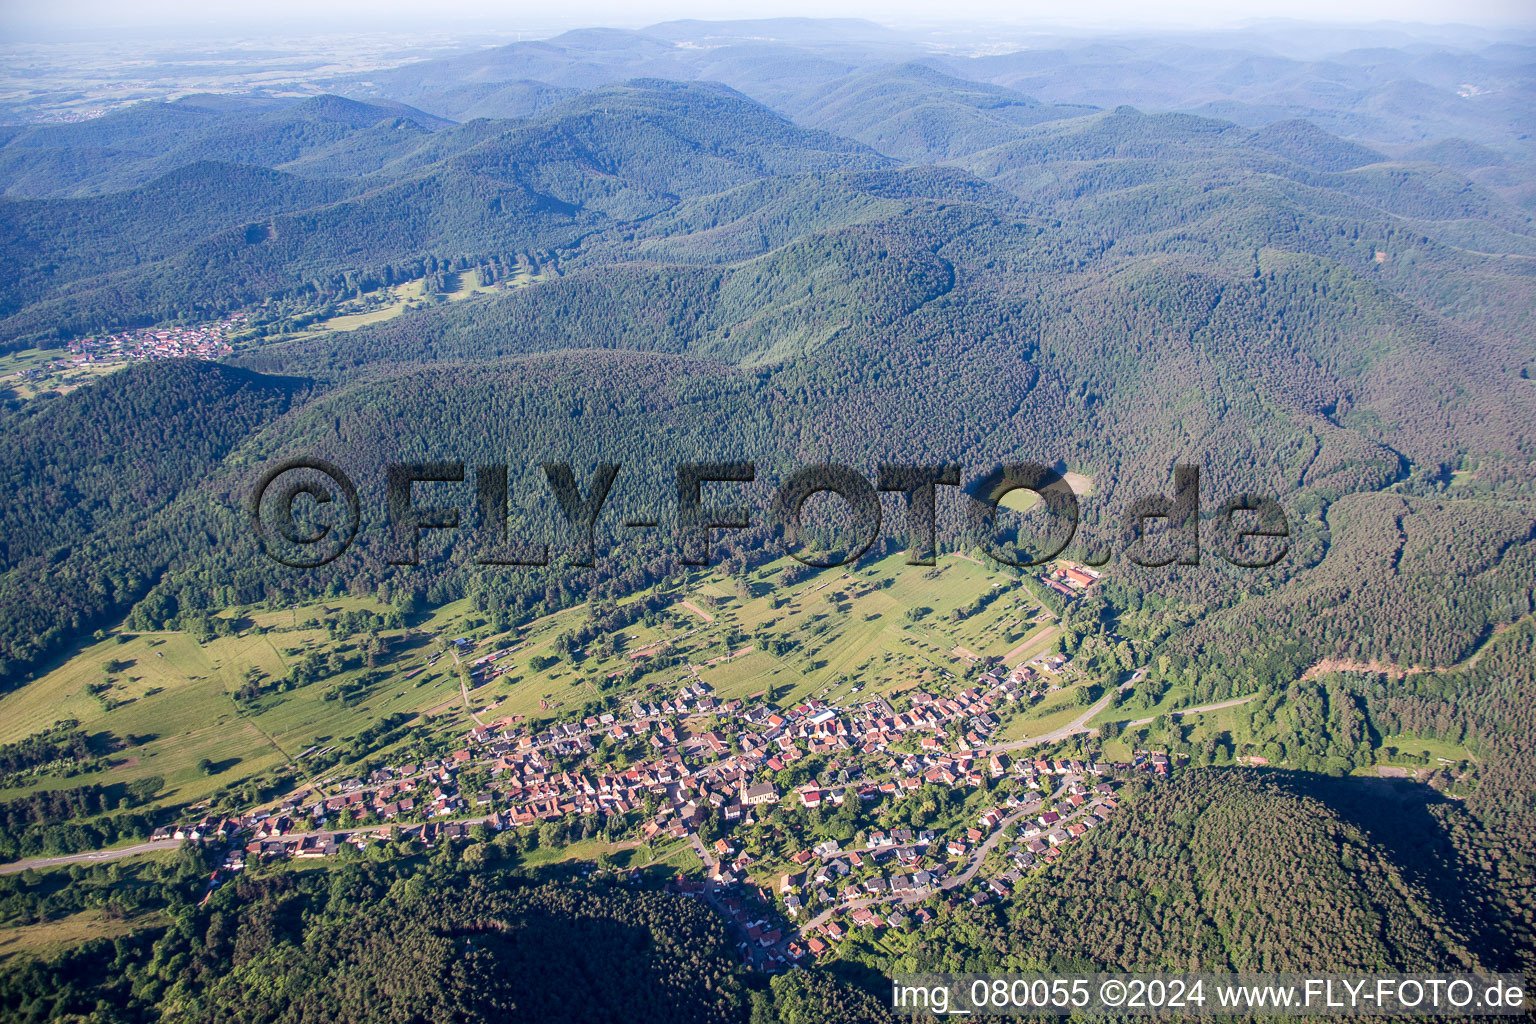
306	512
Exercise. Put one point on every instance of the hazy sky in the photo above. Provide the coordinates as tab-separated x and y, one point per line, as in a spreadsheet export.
191	16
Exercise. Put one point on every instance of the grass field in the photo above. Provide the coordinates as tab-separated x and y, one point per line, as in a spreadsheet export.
882	628
583	849
385	304
176	696
1116	749
679	858
1409	744
50	937
29	359
1056	710
824	635
171	690
1133	713
388	303
676	855
61	381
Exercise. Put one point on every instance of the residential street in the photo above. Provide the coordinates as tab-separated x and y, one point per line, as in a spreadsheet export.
1203	707
1072	728
973	862
95	856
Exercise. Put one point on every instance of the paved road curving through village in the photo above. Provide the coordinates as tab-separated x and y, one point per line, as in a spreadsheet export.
1072	728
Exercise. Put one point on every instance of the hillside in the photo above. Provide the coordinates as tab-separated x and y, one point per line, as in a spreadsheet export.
1255	334
1225	869
914	112
90	471
147	140
451	942
619	154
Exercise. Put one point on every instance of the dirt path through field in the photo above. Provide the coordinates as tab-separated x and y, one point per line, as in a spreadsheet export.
700	612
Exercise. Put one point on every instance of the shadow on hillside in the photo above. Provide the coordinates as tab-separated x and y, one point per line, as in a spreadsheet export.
1409	821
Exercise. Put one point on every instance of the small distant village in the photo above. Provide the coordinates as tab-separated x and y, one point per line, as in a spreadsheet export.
714	773
202	341
88	358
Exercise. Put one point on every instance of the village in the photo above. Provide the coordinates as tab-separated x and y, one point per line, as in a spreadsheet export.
50	371
805	819
201	341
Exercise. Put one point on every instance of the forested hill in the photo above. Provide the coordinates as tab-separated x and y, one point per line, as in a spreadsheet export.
1116	292
696	172
88	474
916	112
406	942
618	155
1226	869
1401	88
136	144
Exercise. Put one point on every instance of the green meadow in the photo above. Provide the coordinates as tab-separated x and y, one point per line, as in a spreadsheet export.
174	705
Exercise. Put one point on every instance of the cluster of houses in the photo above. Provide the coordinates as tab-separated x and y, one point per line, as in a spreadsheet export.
204	341
884	881
692	758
